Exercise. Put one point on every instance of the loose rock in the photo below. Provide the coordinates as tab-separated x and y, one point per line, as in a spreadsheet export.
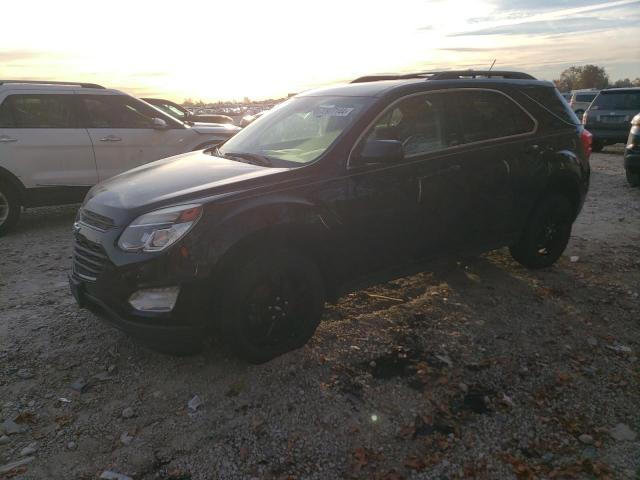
128	413
195	403
125	438
80	385
621	432
10	466
109	475
10	427
25	374
586	439
4	440
29	450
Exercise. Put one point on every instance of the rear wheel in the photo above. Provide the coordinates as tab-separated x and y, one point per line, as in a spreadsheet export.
546	235
9	207
272	305
633	177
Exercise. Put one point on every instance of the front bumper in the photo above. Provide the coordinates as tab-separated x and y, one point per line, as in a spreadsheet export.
158	330
632	160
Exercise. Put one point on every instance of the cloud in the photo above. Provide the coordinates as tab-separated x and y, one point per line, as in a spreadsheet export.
542	4
24	55
547	27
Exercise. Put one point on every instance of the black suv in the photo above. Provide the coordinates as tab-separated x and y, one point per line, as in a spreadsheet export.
328	192
608	118
632	153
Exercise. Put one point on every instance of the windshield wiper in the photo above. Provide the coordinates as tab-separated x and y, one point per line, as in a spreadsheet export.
246	157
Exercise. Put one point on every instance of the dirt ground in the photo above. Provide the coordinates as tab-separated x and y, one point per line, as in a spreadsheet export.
479	369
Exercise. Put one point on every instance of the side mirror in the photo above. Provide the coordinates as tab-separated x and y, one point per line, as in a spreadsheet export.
380	151
159	124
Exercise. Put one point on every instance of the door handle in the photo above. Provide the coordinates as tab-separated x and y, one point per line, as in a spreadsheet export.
7	139
111	138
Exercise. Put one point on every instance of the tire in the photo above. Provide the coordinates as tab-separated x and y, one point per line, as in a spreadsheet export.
546	234
272	305
597	146
9	207
633	177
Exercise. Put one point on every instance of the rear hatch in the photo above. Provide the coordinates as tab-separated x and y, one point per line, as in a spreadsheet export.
613	109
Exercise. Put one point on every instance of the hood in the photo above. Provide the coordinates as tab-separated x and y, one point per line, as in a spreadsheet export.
216	128
178	179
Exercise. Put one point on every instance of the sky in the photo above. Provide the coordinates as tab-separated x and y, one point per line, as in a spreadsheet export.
225	50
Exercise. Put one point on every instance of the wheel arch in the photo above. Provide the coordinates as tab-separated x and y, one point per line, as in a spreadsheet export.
15	182
288	223
567	185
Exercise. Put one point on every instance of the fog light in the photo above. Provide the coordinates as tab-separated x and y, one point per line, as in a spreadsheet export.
155	299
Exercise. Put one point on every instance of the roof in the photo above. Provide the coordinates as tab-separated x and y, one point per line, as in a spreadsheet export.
621	90
30	83
379	85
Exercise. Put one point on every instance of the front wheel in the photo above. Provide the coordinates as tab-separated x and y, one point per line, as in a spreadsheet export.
272	305
547	233
9	207
633	177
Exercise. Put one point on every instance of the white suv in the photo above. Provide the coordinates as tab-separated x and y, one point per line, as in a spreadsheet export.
57	140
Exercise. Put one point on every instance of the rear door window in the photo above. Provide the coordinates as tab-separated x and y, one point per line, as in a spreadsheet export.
618	101
585	97
118	111
38	111
487	115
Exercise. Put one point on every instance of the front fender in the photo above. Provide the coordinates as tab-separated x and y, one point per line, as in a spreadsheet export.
288	217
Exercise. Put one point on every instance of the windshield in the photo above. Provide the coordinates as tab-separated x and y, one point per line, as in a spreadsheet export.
171	110
298	131
617	101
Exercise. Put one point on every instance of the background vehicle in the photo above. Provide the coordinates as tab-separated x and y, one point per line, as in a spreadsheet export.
184	115
57	140
581	99
247	119
632	153
608	118
335	189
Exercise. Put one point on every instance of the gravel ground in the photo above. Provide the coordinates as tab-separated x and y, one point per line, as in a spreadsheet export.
479	369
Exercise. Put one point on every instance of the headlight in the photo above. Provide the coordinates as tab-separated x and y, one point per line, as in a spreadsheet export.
155	231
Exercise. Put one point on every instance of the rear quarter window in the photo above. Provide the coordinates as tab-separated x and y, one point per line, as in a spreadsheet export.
487	115
550	100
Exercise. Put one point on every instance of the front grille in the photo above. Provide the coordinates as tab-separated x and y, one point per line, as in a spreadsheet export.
89	259
95	220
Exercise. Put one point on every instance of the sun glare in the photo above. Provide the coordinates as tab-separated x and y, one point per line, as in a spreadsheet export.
231	50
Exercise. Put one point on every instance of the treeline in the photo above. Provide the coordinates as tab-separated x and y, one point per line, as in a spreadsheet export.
590	76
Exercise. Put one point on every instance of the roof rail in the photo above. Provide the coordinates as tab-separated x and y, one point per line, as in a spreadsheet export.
448	75
46	82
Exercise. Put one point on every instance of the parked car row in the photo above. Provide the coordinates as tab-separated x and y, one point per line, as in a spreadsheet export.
58	140
184	115
333	190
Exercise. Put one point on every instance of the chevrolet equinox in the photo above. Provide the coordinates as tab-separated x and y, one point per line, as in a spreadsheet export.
330	191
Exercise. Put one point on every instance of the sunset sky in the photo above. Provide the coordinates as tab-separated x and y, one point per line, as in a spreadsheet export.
226	50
